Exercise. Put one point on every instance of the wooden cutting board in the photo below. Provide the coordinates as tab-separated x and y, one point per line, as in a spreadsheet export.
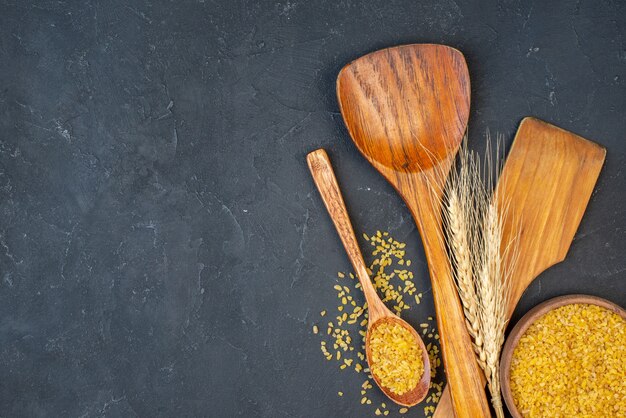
547	180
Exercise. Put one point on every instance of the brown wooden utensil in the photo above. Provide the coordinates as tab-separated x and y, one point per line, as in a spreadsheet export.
547	180
406	109
324	177
527	320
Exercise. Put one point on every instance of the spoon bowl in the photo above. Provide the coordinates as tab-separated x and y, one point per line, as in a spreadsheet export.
419	392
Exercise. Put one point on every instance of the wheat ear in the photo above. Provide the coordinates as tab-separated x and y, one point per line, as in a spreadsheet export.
459	214
474	235
492	295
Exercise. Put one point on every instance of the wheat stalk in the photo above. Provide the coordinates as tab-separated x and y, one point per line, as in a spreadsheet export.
474	235
459	215
492	297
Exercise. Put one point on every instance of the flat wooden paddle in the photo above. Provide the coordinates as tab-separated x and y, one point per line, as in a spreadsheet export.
406	109
547	180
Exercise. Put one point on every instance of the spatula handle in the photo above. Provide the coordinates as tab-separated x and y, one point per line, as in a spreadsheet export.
326	182
422	194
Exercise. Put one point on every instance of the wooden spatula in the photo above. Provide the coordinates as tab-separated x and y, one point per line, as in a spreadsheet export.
406	109
547	180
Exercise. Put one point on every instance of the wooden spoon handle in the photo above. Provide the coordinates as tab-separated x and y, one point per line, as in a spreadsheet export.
462	371
422	194
326	182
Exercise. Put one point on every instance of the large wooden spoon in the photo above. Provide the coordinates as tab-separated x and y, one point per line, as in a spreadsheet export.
326	183
546	183
406	109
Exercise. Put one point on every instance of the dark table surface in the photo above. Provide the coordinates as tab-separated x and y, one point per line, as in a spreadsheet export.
163	251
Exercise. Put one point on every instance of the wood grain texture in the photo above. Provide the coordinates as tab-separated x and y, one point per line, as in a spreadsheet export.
326	182
406	109
527	320
547	181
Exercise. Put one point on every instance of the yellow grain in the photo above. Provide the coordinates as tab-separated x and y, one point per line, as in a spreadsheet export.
393	282
571	362
395	356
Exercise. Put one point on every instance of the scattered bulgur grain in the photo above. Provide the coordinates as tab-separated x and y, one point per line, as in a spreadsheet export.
393	281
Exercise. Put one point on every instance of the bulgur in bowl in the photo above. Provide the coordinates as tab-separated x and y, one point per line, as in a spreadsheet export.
566	358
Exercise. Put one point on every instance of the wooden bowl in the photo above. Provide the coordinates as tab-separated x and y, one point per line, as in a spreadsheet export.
526	321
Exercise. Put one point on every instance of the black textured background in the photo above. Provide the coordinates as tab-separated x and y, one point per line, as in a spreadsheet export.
162	249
